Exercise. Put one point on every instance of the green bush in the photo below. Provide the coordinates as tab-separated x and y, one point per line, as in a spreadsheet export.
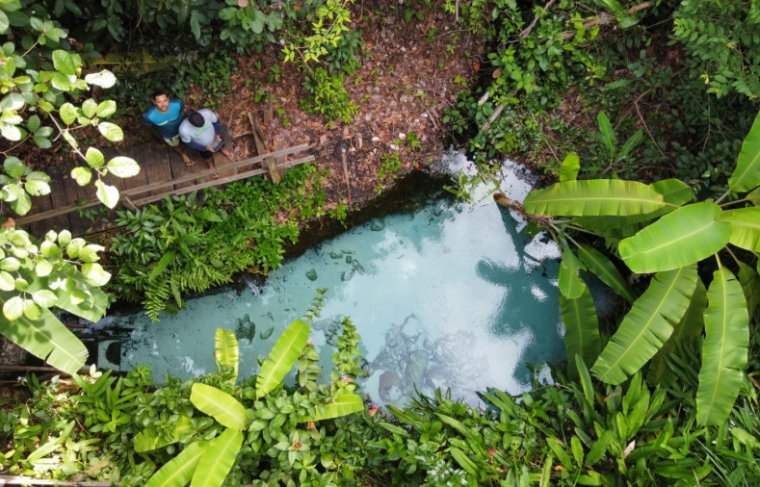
184	246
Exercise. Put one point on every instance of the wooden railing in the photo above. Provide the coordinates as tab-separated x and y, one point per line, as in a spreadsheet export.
135	197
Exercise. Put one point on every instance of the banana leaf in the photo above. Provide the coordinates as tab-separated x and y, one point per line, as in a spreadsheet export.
179	470
596	197
745	227
568	171
343	405
725	349
684	237
674	193
225	409
46	338
217	462
747	173
605	270
570	283
690	326
647	326
281	359
93	308
581	329
227	351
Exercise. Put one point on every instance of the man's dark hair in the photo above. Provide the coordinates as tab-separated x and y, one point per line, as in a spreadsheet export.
196	118
158	93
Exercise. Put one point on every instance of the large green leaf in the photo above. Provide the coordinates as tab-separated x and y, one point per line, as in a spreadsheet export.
48	339
219	405
581	329
605	270
570	283
227	351
689	327
747	173
647	326
674	193
684	237
745	227
724	351
343	405
218	460
597	197
179	470
281	359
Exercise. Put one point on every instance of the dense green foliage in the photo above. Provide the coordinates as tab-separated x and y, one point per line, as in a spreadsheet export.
45	96
183	245
124	429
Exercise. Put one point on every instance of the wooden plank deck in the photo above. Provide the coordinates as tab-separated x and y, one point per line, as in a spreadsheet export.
162	173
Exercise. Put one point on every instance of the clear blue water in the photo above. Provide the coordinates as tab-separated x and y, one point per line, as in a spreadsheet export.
450	296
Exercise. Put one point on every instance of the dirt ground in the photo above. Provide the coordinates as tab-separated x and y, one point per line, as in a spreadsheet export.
411	71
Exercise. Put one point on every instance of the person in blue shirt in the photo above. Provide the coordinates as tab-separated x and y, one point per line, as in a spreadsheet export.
166	116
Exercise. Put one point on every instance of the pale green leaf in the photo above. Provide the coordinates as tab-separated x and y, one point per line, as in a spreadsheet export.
7	282
581	329
597	197
568	171
123	167
107	194
106	108
22	204
217	462
95	274
745	227
68	113
13	309
32	310
605	270
685	236
647	326
750	282
43	268
81	175
36	188
104	79
179	470
88	108
45	298
94	158
725	349
225	409
64	62
111	131
227	351
13	167
746	176
281	359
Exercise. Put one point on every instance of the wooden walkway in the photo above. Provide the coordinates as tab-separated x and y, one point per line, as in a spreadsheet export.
162	173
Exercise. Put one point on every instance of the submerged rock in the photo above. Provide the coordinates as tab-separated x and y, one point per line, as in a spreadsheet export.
311	274
377	226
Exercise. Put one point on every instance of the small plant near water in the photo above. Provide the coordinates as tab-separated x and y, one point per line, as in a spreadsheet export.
390	166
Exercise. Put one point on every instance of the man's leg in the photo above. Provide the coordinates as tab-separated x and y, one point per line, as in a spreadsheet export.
174	144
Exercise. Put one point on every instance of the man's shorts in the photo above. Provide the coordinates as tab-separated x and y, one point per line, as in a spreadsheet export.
173	142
